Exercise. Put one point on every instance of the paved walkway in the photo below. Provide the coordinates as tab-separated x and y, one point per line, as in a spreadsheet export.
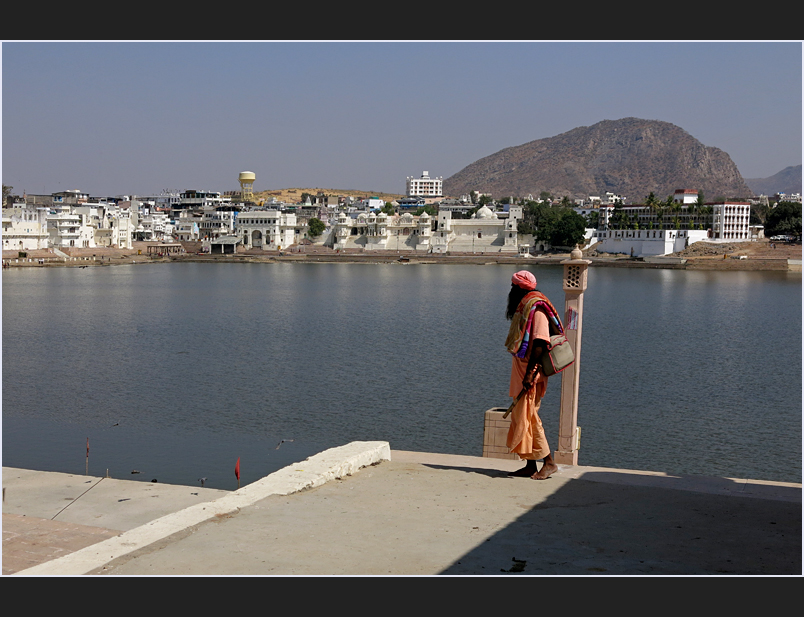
352	511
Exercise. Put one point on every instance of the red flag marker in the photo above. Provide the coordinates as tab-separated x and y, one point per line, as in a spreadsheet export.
237	470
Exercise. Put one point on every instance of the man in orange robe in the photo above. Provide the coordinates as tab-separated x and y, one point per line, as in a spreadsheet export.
526	434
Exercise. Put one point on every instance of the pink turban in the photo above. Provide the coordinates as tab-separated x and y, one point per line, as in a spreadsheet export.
525	280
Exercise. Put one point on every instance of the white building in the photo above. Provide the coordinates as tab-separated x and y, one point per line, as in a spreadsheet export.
25	228
155	226
485	232
379	232
731	221
217	221
794	197
685	196
113	224
192	199
186	229
612	198
647	242
269	230
67	230
371	203
424	186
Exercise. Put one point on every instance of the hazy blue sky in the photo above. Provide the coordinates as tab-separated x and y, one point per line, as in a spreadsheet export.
113	118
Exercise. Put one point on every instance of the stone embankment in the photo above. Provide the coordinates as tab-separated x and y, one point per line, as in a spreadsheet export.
700	256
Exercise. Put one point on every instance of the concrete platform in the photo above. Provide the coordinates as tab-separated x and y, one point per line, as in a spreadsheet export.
364	510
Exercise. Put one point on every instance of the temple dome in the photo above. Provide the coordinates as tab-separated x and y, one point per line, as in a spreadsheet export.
485	213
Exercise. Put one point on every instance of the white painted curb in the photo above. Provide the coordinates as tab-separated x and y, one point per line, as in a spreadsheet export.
310	473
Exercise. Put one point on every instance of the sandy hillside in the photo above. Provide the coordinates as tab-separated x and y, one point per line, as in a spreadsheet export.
293	195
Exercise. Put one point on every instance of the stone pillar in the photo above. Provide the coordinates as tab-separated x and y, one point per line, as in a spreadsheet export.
569	433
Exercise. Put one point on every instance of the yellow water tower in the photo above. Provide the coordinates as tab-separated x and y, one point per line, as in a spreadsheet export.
247	185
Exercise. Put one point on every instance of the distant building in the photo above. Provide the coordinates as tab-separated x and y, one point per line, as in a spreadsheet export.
411	203
795	197
378	232
685	196
186	229
192	199
485	232
731	221
25	227
67	230
217	221
611	198
371	203
647	242
266	229
425	186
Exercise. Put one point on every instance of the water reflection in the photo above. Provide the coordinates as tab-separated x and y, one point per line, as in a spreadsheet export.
239	356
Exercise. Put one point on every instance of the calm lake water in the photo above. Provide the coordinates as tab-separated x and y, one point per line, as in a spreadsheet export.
178	370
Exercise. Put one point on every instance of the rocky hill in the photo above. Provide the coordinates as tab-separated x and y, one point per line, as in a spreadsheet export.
630	157
786	181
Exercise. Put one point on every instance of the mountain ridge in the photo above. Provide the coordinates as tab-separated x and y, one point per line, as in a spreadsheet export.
631	157
788	180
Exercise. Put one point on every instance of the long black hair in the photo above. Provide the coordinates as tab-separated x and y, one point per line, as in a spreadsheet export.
514	298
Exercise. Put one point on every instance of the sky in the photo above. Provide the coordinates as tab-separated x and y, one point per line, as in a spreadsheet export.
122	118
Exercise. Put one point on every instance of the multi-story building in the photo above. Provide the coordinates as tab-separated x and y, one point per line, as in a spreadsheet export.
192	199
425	186
186	228
731	221
485	232
266	229
154	226
217	221
25	227
67	230
794	197
113	223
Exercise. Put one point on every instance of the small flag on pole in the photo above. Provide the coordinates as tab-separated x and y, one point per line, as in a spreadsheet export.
237	472
87	447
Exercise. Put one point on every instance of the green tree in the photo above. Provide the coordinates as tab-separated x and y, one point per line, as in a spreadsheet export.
619	219
6	192
569	229
429	209
316	227
558	226
660	210
759	213
388	208
484	199
784	219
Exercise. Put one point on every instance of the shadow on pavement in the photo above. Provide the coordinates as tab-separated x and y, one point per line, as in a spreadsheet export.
607	523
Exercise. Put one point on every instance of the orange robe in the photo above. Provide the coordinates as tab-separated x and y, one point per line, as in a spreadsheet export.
526	434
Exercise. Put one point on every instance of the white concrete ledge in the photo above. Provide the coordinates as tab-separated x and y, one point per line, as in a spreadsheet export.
314	471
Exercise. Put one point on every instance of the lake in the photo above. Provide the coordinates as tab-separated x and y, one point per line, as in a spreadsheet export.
177	370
